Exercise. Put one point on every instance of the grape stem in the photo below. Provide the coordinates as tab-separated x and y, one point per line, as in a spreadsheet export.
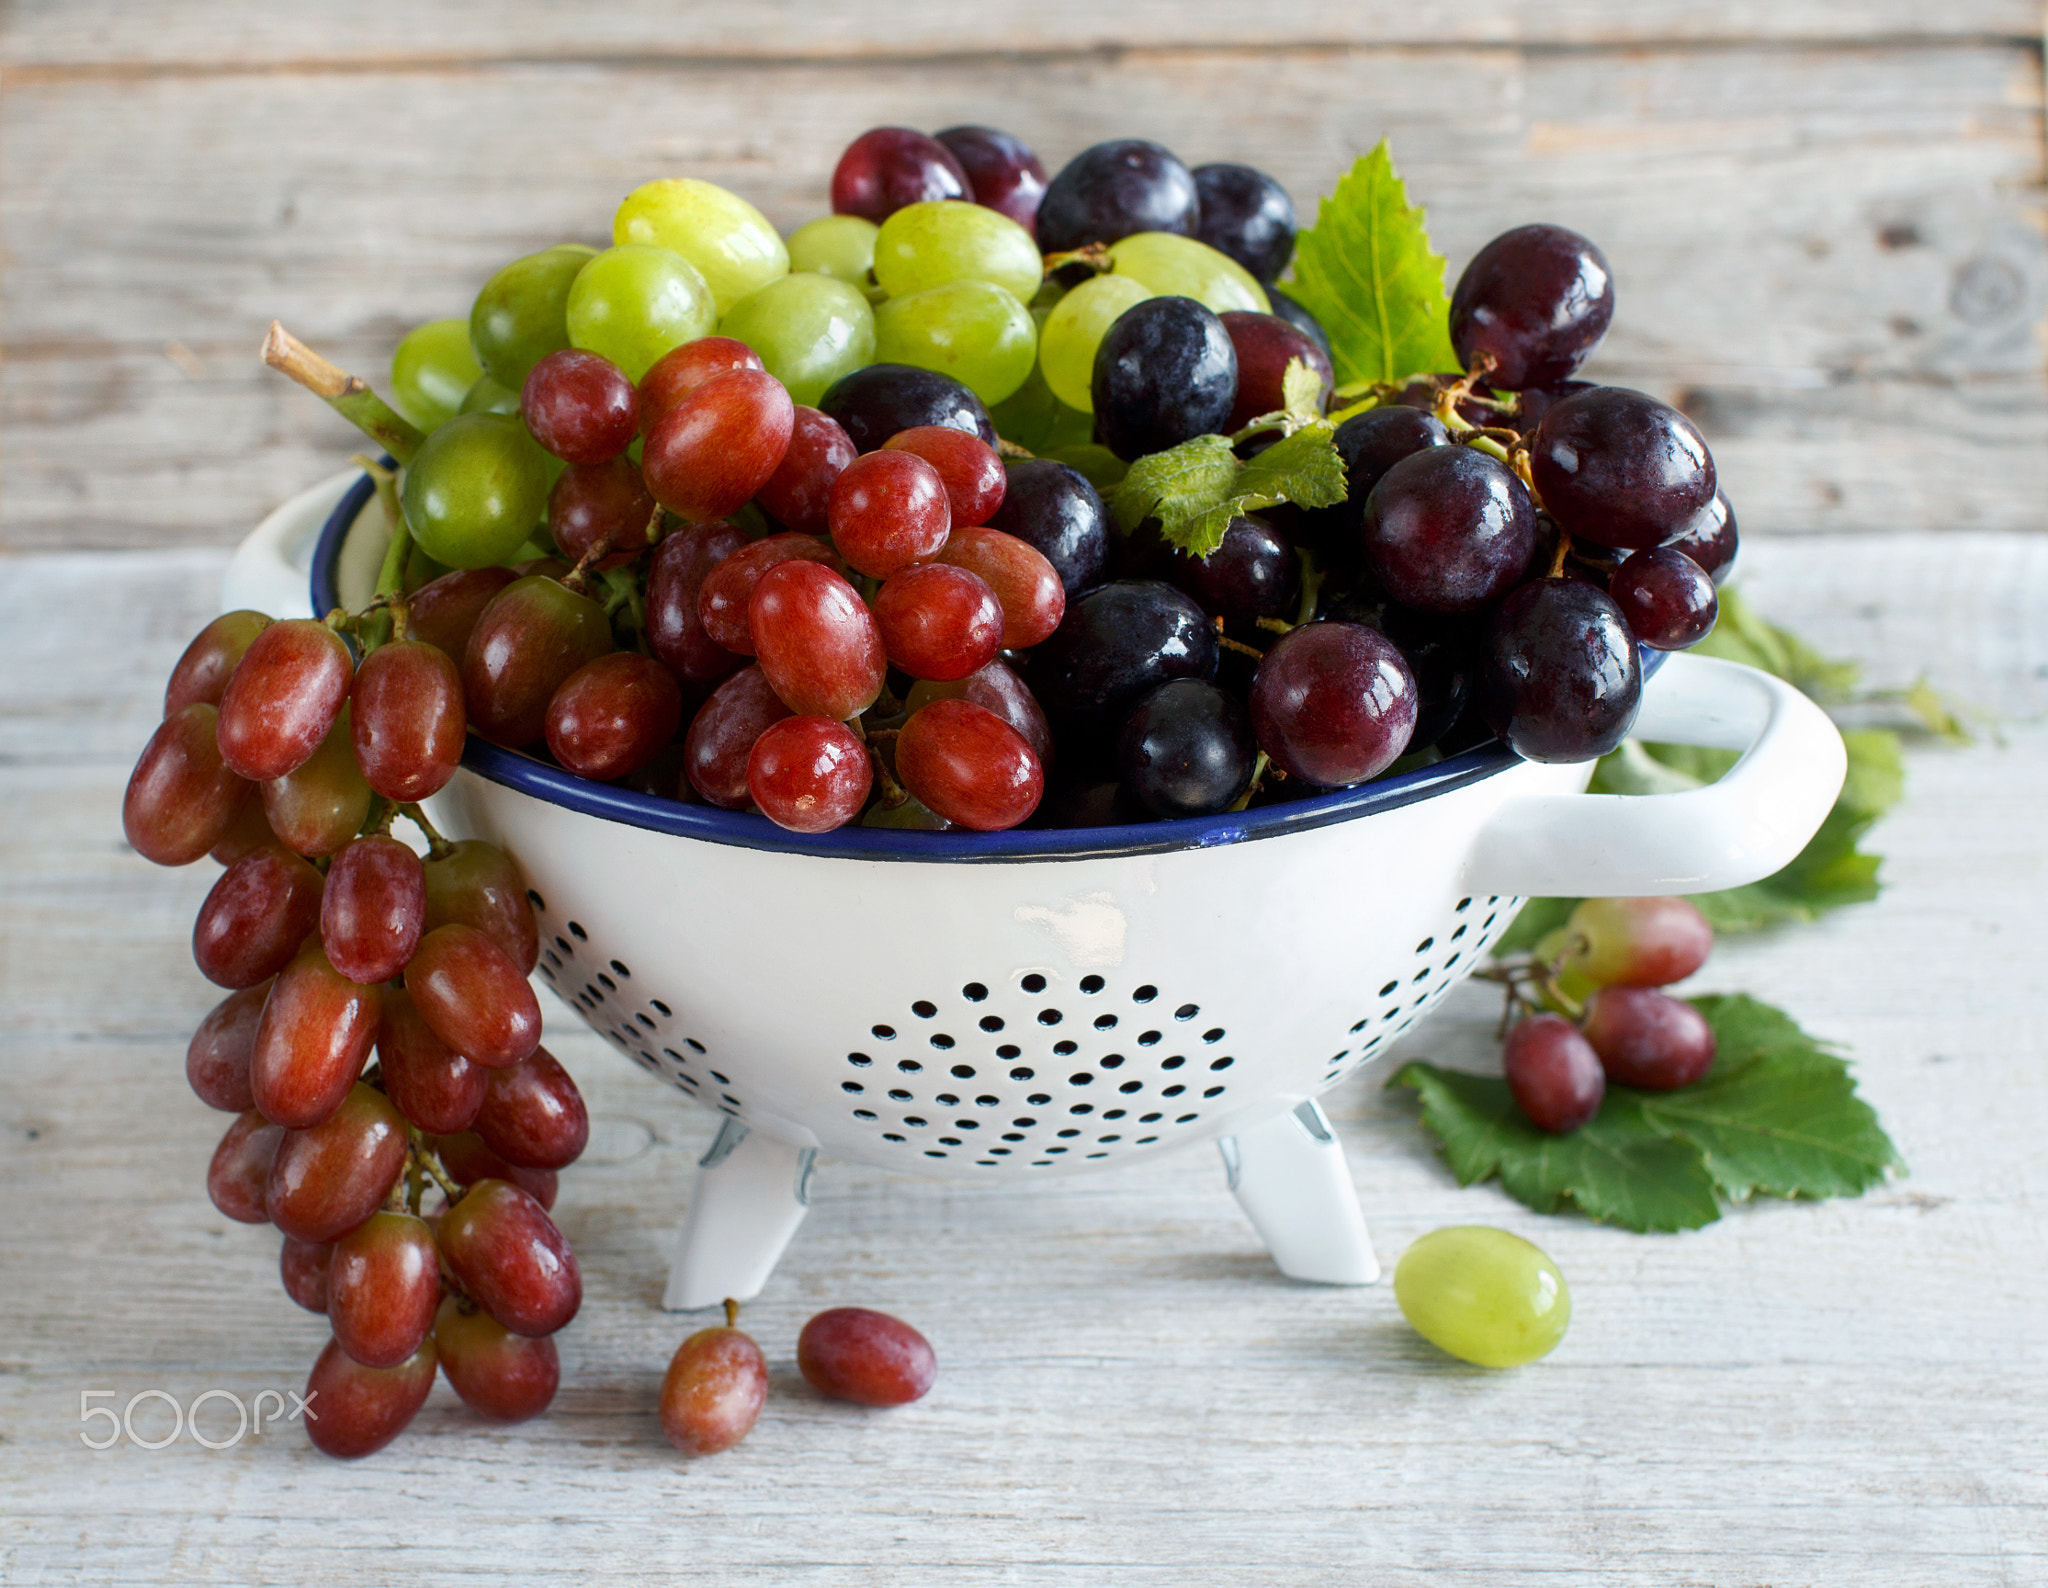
427	1161
343	392
732	1313
1311	586
1094	255
1010	449
438	848
1239	646
1564	550
1260	767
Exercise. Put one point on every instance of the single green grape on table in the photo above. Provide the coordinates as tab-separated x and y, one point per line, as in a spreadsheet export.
432	371
475	490
1183	268
1074	329
726	238
971	330
929	245
632	303
521	316
808	329
1484	1295
839	246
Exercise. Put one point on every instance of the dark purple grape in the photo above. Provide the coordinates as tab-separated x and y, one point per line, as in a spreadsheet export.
1247	215
1111	190
1115	644
1535	300
877	401
1667	599
1709	538
1265	345
1054	509
1559	678
1333	704
1442	652
886	168
1554	1073
1648	1039
1620	469
1187	750
1370	444
1297	315
1536	401
1164	374
1004	172
1254	574
601	504
1449	530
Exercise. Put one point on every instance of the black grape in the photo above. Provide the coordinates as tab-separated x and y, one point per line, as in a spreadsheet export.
1620	469
1187	750
1164	374
874	403
1667	598
1559	679
1053	507
1111	190
1114	644
1247	215
1709	538
1449	529
1536	300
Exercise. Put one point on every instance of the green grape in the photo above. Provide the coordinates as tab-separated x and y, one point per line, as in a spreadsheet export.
1034	418
488	397
808	329
432	372
1074	329
975	332
1181	267
475	491
521	316
839	246
928	245
632	303
1483	1295
724	236
1555	949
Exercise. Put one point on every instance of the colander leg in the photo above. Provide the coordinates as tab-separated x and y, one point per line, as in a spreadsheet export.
752	1192
1290	1178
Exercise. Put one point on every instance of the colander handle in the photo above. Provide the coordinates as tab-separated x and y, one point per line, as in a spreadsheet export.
1748	824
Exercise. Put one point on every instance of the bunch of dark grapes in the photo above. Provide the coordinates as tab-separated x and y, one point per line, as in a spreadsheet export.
379	1040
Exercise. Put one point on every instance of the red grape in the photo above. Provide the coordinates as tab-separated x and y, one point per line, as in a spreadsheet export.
1709	538
302	1265
1666	598
316	1031
532	636
241	1167
442	612
722	736
406	719
374	909
1449	529
713	450
887	511
383	1286
713	1391
1003	171
532	1115
1649	1039
681	370
612	716
330	1177
501	1376
209	661
939	621
1025	582
473	883
1254	574
852	1354
727	590
321	804
601	504
675	579
429	1082
468	1160
809	774
217	1058
1636	942
505	1251
1266	345
353	1411
971	767
474	997
580	406
1553	1073
282	698
1333	703
886	168
250	829
817	641
256	918
798	494
995	688
969	469
182	798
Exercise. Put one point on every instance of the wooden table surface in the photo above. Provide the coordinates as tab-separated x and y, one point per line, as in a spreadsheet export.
1826	221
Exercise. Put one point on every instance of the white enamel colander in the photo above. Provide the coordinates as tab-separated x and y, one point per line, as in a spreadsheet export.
1025	1004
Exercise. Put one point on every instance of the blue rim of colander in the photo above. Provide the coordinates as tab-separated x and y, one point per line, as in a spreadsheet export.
748	830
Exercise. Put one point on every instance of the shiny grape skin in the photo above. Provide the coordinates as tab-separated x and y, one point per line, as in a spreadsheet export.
601	503
722	736
1116	643
248	829
505	1251
241	1167
316	1030
501	1376
581	407
383	1288
1052	508
809	774
1027	587
182	798
435	1087
217	1057
798	494
474	997
998	689
322	803
726	594
1247	215
1299	317
362	1409
1553	1073
1648	1039
532	636
968	467
1187	750
406	720
1649	942
533	1116
614	715
443	612
1165	373
1483	1295
675	580
938	621
1003	172
681	370
302	1268
882	400
1333	703
282	698
713	450
1536	300
1449	530
968	765
330	1177
1709	538
1110	190
886	168
1559	678
853	1354
1536	401
1370	444
1253	574
467	1160
1666	598
256	917
202	673
475	884
1620	469
713	1391
818	644
1265	345
374	908
889	510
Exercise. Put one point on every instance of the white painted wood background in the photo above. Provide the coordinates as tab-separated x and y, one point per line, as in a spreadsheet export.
1826	218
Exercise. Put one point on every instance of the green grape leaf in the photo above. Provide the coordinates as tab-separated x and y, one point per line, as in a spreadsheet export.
1195	489
1367	271
1301	391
